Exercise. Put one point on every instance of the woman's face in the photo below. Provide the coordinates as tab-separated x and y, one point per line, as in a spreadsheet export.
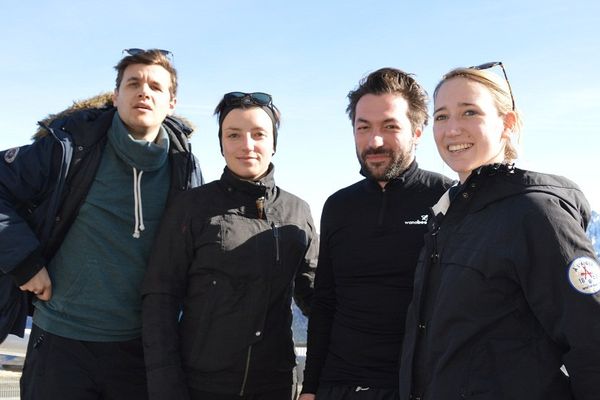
247	142
467	129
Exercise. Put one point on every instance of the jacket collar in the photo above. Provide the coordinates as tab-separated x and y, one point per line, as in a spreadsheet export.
263	187
89	126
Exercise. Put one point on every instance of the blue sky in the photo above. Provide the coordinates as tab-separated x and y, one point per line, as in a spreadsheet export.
308	55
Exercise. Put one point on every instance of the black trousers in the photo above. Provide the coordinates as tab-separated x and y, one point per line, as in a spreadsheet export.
356	393
60	368
279	394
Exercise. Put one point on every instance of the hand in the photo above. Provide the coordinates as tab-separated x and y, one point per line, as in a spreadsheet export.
307	396
39	285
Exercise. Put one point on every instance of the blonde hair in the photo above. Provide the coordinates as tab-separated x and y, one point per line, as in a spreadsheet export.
501	94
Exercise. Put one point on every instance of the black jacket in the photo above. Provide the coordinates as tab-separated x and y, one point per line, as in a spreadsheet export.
370	241
229	255
494	313
45	183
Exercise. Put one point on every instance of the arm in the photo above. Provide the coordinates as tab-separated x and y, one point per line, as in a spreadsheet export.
322	313
26	176
305	276
553	239
162	292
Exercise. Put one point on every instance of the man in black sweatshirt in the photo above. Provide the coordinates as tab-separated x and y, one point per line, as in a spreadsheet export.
371	234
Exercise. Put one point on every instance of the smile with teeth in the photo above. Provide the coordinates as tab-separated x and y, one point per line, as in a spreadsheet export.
459	147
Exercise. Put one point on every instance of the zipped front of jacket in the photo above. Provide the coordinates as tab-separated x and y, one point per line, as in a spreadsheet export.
418	378
262	214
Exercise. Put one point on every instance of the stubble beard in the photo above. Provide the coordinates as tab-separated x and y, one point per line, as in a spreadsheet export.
400	161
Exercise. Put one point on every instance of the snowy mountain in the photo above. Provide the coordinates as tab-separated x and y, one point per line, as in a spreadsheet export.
593	232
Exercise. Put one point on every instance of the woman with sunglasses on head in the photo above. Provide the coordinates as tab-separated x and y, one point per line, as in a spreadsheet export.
507	285
228	258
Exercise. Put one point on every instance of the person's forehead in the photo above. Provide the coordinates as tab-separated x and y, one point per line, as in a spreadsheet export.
381	106
247	116
146	70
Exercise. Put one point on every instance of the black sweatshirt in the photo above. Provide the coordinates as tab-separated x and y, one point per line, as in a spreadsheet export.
369	244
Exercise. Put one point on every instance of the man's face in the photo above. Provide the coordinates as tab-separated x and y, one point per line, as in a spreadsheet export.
143	99
385	142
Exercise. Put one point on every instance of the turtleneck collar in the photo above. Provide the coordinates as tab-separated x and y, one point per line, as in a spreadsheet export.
265	186
139	154
403	177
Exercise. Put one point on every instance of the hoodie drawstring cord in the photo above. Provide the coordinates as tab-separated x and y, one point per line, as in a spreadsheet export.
137	203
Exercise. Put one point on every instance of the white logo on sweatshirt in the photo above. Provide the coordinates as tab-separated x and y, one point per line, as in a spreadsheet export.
422	221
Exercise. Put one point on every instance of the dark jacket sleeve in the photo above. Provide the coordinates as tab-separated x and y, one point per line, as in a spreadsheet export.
553	239
162	292
25	176
305	276
322	312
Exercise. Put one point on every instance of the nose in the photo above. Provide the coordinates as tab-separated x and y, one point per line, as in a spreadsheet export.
248	142
453	127
144	92
376	139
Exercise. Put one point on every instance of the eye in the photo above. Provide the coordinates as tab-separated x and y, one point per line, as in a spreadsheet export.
260	135
362	128
392	127
440	117
470	113
232	135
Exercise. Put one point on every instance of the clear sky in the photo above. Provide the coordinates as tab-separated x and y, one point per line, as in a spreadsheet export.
308	55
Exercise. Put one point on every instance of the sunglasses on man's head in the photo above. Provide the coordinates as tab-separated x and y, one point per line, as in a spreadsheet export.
492	64
256	98
136	51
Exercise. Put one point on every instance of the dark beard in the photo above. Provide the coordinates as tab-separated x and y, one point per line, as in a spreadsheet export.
399	164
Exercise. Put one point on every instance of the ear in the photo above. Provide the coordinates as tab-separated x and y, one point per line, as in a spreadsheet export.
417	134
114	97
172	104
510	119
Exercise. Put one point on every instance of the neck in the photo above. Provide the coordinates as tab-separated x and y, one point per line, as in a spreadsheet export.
149	136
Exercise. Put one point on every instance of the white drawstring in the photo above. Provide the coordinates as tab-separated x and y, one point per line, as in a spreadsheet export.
137	203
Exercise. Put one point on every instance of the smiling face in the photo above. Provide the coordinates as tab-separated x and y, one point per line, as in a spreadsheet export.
247	136
384	138
143	99
468	130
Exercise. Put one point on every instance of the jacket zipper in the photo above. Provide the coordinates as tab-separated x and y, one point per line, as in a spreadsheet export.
383	207
246	371
276	236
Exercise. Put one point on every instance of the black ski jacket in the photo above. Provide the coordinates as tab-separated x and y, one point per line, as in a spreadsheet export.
506	291
229	254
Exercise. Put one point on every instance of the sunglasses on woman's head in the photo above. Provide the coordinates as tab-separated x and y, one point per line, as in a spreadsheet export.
492	64
256	98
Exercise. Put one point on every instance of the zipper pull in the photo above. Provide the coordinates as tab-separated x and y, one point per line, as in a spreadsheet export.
260	206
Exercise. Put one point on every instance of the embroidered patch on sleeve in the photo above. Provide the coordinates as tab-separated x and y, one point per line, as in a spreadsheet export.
584	275
11	154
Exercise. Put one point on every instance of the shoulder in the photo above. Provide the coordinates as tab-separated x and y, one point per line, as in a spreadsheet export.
429	180
547	196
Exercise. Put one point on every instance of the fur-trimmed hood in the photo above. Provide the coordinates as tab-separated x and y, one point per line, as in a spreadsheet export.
99	101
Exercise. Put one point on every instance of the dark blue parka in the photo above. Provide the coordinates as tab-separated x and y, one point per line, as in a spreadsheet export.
42	186
507	290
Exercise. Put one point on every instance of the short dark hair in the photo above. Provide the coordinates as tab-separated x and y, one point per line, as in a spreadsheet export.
148	57
392	80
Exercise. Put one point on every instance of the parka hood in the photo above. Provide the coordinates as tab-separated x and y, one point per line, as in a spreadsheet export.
510	181
99	102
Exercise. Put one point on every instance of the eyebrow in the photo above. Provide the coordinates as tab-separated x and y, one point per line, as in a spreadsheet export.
460	105
385	121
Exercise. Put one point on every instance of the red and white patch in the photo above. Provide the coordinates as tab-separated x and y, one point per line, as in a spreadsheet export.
584	275
11	154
